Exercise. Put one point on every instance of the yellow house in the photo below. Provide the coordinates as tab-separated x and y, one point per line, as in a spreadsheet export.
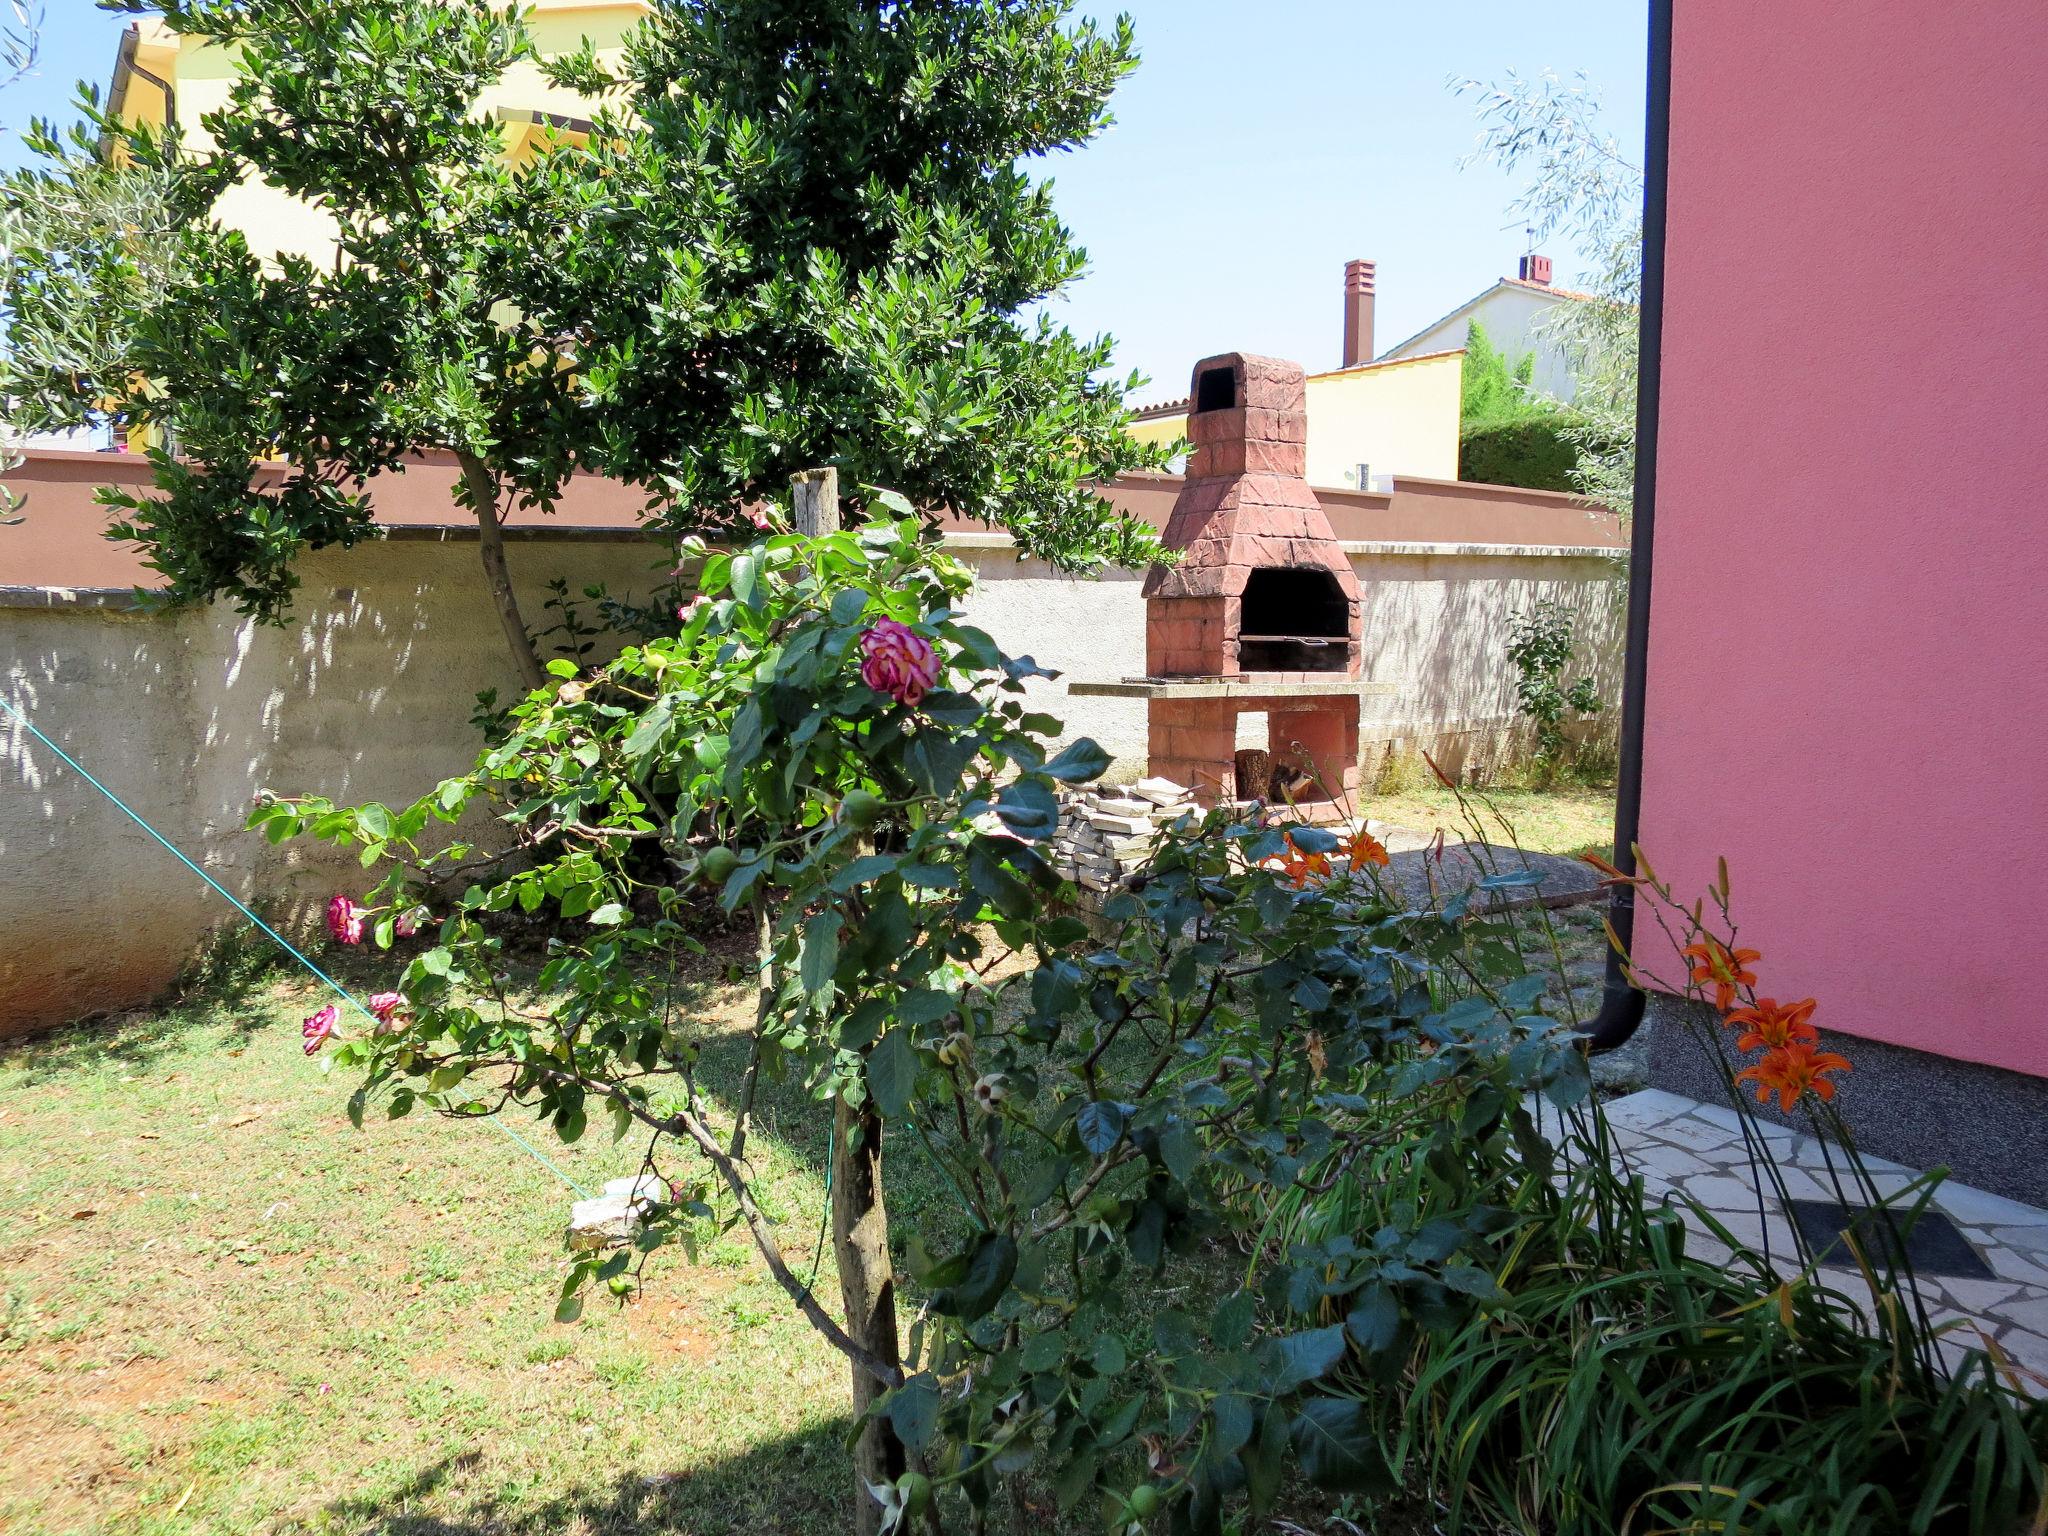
1374	420
159	74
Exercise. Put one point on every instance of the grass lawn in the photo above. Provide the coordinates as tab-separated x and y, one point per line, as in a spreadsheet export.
1572	819
224	1310
227	1311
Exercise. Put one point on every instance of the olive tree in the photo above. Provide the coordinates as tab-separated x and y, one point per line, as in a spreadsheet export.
1583	184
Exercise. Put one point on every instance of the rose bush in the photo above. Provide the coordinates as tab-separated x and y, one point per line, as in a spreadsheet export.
827	745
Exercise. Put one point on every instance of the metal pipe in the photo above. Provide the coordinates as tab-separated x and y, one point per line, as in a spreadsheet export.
1622	1004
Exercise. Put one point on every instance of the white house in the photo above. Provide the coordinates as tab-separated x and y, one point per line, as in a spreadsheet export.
1509	312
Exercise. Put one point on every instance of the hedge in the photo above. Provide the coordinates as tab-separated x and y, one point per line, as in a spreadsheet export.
1528	451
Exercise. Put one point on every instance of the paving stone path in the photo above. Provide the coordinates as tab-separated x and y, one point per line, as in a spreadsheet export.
1684	1147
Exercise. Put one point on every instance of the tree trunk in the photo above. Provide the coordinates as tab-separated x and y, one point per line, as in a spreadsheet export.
483	493
867	1284
860	1224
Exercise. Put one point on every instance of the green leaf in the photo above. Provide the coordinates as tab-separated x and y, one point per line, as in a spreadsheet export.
1078	762
744	572
820	958
1470	1280
935	760
1100	1125
861	871
1300	1358
848	604
1231	1417
1334	1443
1178	1150
1375	1322
749	731
986	1275
1231	1328
648	731
892	1073
1027	808
1436	1240
923	1006
1045	1350
913	1410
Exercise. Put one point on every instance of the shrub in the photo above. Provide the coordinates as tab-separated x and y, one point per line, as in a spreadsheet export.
1540	646
1532	450
826	744
1508	434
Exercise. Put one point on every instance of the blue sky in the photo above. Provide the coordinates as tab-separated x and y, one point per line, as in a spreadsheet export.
1261	144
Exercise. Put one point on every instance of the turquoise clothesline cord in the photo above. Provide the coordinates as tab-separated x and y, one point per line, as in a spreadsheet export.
279	939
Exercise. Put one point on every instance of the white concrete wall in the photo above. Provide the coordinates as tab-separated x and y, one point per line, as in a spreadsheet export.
366	694
1436	622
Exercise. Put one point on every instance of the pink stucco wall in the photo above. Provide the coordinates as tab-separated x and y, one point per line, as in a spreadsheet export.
1848	675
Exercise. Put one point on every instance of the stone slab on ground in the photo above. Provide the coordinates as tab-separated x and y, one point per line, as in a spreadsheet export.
1688	1151
1425	876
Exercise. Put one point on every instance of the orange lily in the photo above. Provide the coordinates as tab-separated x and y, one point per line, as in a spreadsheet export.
1301	867
1363	848
1791	1072
1716	965
1767	1026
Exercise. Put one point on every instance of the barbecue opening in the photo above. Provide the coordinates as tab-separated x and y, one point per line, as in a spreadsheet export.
1293	620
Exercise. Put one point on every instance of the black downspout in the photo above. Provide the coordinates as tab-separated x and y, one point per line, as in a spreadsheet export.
1621	1006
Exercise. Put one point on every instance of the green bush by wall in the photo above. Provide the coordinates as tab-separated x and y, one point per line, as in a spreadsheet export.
1508	433
1529	450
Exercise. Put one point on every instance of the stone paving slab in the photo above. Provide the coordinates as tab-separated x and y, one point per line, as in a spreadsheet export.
1695	1152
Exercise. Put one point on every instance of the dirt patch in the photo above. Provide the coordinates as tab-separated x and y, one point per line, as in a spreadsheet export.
59	1417
670	1326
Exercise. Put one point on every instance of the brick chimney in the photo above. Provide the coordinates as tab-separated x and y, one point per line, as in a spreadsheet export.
1536	269
1358	293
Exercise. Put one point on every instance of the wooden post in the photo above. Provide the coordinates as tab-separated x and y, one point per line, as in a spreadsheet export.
817	501
860	1221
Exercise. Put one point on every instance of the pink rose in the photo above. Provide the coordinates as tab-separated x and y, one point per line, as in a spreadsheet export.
345	920
319	1027
898	661
386	1006
407	922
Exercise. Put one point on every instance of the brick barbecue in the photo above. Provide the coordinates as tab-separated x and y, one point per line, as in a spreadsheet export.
1261	612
